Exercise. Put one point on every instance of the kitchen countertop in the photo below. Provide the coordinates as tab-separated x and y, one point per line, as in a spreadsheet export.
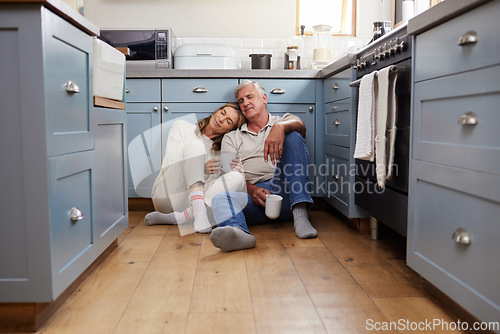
63	10
441	12
336	66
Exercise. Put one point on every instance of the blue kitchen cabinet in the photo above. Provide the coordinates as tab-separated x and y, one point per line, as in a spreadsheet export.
110	195
297	96
152	106
454	197
52	151
339	131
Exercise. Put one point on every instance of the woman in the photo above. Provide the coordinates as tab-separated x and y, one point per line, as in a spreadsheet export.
189	176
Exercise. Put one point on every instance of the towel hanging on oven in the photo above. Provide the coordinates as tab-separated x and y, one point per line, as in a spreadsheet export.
366	118
385	128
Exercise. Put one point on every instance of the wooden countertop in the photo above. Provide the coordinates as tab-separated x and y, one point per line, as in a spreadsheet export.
63	10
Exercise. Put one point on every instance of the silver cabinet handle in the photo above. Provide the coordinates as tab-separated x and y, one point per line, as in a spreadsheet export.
76	214
72	87
165	109
335	86
155	109
127	90
277	91
200	89
311	109
470	37
336	122
469	118
462	236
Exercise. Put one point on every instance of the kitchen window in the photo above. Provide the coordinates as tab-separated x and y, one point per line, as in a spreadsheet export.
340	14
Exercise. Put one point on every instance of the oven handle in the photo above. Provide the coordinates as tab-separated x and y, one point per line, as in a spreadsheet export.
393	68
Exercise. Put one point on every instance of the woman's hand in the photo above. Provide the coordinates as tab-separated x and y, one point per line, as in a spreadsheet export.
212	166
258	194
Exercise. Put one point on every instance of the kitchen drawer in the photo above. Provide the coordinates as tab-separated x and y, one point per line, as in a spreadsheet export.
443	200
338	122
143	90
199	90
337	87
437	52
338	173
68	88
289	91
72	240
440	103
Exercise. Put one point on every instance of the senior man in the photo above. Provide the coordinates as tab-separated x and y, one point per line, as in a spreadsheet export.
274	156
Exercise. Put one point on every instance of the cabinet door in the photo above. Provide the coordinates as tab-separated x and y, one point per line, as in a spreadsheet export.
442	201
190	112
68	86
306	114
143	147
111	205
71	217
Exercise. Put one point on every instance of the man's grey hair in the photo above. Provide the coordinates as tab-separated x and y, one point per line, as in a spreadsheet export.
258	86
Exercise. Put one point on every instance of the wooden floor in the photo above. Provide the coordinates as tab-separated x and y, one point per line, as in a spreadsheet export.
156	281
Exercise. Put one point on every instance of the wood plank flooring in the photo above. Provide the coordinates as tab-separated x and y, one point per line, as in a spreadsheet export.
156	281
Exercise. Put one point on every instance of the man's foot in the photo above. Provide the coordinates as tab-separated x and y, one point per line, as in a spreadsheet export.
301	223
230	238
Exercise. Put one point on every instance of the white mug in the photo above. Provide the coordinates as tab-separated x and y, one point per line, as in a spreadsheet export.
273	206
225	159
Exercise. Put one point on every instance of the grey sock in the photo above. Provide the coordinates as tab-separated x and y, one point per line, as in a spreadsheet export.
230	238
301	223
158	218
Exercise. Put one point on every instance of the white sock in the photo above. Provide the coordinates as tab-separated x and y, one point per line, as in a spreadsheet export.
173	218
201	222
303	227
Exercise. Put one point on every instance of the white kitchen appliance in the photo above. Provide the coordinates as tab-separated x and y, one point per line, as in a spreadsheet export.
204	56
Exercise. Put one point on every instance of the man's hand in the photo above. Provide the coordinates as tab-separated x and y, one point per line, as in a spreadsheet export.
258	194
273	146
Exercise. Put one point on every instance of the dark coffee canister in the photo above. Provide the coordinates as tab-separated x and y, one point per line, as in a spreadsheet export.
261	61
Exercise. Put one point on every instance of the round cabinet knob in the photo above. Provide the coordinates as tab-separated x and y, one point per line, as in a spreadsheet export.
336	176
76	214
470	37
462	236
72	87
127	90
335	86
469	118
155	109
336	122
165	109
311	109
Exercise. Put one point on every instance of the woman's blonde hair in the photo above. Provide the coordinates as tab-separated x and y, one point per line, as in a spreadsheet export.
216	142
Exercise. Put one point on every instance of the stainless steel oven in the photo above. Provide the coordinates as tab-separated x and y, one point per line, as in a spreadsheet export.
390	204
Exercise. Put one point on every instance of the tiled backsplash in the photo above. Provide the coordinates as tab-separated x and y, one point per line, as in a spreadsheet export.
243	47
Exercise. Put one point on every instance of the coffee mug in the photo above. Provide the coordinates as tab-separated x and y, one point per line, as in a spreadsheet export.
226	159
273	206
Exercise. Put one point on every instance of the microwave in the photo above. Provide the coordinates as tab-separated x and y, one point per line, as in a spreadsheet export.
145	49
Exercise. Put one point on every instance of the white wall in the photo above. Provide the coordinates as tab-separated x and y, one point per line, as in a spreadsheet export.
198	18
216	18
